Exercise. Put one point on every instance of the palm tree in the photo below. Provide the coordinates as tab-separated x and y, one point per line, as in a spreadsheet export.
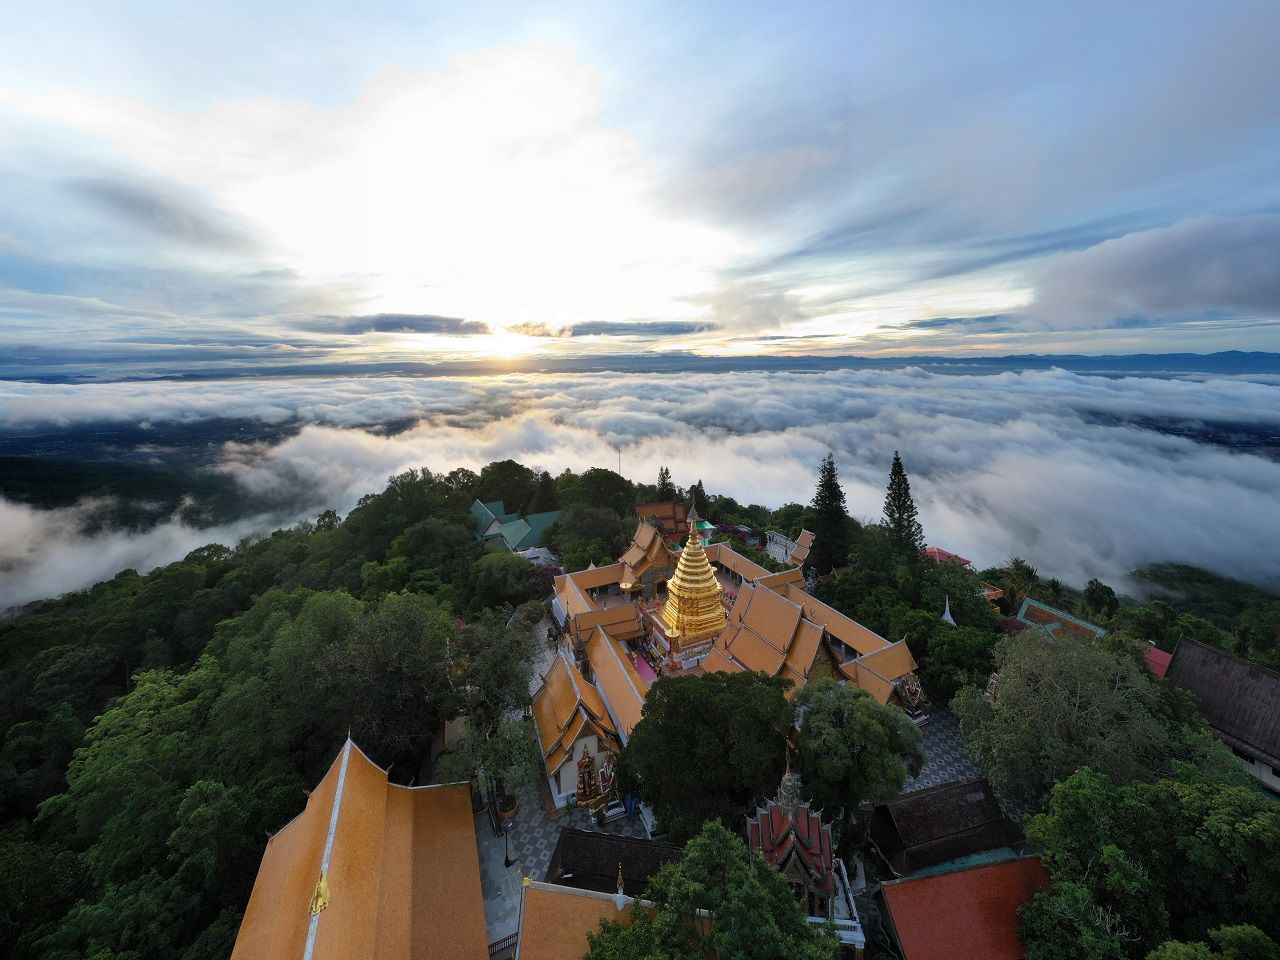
1055	591
1018	581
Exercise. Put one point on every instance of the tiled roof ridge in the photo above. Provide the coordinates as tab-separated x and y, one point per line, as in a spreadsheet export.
313	928
965	869
581	892
1085	624
608	642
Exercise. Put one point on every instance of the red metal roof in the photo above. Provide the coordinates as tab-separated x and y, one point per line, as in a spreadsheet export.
965	914
1157	660
944	556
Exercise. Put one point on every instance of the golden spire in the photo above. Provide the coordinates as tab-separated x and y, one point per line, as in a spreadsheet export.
693	610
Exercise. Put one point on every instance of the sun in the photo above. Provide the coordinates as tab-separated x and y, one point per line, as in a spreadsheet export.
504	344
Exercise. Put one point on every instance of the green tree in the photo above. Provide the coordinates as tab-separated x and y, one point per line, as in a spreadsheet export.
1099	599
1066	923
1242	942
512	483
953	657
666	489
900	518
831	524
582	526
598	487
503	758
1134	865
544	495
498	578
1061	705
731	729
751	912
1018	578
851	748
698	500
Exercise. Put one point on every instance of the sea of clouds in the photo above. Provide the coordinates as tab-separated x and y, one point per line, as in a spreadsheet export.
1060	468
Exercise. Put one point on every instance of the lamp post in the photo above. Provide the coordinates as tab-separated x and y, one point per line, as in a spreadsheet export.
506	843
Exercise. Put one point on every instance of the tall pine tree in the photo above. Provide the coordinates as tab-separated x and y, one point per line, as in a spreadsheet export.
900	520
666	489
830	520
544	494
698	499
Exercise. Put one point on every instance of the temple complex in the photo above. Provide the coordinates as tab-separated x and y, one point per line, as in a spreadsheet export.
707	608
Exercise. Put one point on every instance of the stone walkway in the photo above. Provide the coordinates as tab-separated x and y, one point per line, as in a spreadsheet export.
534	835
499	883
947	758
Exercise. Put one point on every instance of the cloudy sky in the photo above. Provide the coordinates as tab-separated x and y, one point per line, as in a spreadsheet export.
236	184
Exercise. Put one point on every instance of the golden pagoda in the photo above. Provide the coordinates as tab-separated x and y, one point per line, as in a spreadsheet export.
693	611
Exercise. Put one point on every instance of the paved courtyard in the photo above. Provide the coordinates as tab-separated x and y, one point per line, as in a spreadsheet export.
534	835
948	760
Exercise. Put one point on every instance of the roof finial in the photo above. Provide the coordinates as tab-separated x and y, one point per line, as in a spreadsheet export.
946	612
789	789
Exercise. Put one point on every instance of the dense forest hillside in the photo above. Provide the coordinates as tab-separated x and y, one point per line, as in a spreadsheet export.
155	728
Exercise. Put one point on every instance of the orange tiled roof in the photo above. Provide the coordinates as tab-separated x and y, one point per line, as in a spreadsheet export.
614	672
730	559
555	920
868	680
849	632
804	648
401	862
621	622
717	662
804	543
646	549
773	617
564	706
891	662
779	631
965	914
755	653
776	581
673	516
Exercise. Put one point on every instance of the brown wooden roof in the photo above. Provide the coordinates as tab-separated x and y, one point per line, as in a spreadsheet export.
927	827
1239	699
590	860
402	864
672	516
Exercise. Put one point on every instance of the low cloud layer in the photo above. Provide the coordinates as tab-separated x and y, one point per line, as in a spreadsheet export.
47	552
1063	469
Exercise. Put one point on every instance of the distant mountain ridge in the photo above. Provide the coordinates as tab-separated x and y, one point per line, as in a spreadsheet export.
1227	362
